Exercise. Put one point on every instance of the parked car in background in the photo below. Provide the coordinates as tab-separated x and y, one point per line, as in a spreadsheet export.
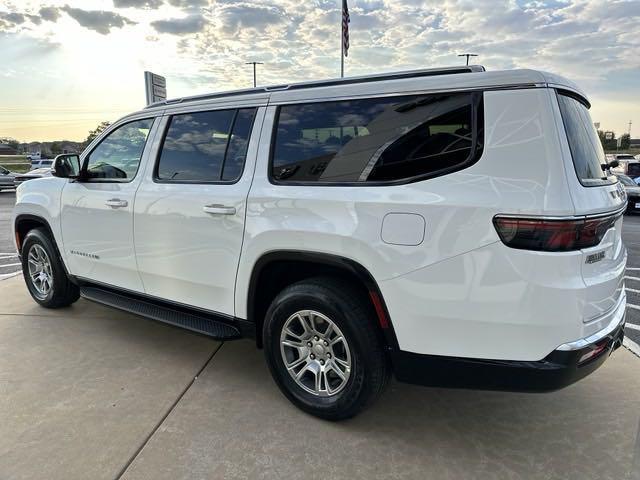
633	193
627	164
6	179
41	162
32	174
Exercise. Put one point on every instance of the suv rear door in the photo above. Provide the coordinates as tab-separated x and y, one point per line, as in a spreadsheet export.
596	194
190	210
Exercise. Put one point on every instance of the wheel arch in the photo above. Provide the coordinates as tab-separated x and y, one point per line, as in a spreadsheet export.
26	222
275	270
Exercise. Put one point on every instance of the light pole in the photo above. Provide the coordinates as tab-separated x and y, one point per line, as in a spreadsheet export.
254	71
468	55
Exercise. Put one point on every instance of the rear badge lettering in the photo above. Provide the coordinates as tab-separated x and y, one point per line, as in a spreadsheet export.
595	257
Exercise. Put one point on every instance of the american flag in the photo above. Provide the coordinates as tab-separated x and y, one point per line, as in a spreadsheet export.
345	28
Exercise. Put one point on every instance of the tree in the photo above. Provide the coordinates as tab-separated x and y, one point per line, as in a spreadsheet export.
607	144
12	142
97	131
56	148
625	142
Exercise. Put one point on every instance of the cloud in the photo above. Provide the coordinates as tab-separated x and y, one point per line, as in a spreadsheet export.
180	26
144	4
13	19
153	4
50	14
98	20
250	16
189	4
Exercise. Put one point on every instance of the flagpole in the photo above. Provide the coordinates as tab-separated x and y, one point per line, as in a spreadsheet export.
342	48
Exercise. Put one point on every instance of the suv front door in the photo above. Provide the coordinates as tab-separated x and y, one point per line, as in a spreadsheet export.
97	211
190	210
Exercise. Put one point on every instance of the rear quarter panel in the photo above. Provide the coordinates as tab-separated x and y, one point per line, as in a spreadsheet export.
520	171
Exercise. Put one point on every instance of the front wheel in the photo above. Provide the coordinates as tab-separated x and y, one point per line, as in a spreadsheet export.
323	349
44	273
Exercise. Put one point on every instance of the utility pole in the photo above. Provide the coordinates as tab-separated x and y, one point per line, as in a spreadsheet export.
468	55
254	71
630	122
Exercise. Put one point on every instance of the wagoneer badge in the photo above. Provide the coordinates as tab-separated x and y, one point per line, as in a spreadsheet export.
595	257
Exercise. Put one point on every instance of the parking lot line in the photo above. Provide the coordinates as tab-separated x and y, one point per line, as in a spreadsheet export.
632	290
633	268
631	345
632	326
10	265
626	277
4	276
631	305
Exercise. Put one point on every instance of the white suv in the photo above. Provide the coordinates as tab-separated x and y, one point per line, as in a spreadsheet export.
455	227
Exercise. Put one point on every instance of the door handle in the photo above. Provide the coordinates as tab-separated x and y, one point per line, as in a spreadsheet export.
116	203
219	209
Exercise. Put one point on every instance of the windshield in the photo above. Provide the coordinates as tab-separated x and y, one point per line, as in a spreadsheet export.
584	143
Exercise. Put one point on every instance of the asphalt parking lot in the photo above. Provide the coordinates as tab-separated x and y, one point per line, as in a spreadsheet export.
92	393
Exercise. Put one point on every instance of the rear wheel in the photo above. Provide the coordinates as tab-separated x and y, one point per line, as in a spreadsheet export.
323	350
44	273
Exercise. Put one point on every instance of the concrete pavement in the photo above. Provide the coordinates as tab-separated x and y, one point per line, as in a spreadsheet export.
91	393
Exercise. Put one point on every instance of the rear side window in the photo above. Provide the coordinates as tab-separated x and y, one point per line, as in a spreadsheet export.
586	149
205	147
377	140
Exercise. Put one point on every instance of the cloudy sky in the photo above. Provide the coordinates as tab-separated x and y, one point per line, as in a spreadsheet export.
66	65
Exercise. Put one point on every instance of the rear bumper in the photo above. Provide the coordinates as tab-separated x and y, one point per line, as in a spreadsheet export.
560	368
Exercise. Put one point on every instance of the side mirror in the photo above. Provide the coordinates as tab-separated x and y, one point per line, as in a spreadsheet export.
610	165
66	166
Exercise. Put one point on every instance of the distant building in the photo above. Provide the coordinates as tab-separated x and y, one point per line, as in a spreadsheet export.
7	149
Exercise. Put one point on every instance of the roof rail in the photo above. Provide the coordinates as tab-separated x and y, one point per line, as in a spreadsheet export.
427	72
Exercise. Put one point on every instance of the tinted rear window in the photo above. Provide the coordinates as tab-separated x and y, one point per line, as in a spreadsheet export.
205	147
377	139
586	149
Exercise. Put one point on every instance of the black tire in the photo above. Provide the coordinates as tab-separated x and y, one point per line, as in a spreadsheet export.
348	309
62	292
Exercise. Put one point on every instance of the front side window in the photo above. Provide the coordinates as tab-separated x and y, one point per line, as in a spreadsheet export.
378	139
584	143
117	157
205	146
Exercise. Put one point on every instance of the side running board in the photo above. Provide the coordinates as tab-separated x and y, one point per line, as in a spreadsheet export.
192	321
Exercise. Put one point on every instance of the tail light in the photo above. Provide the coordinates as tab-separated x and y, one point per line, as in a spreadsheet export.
548	235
